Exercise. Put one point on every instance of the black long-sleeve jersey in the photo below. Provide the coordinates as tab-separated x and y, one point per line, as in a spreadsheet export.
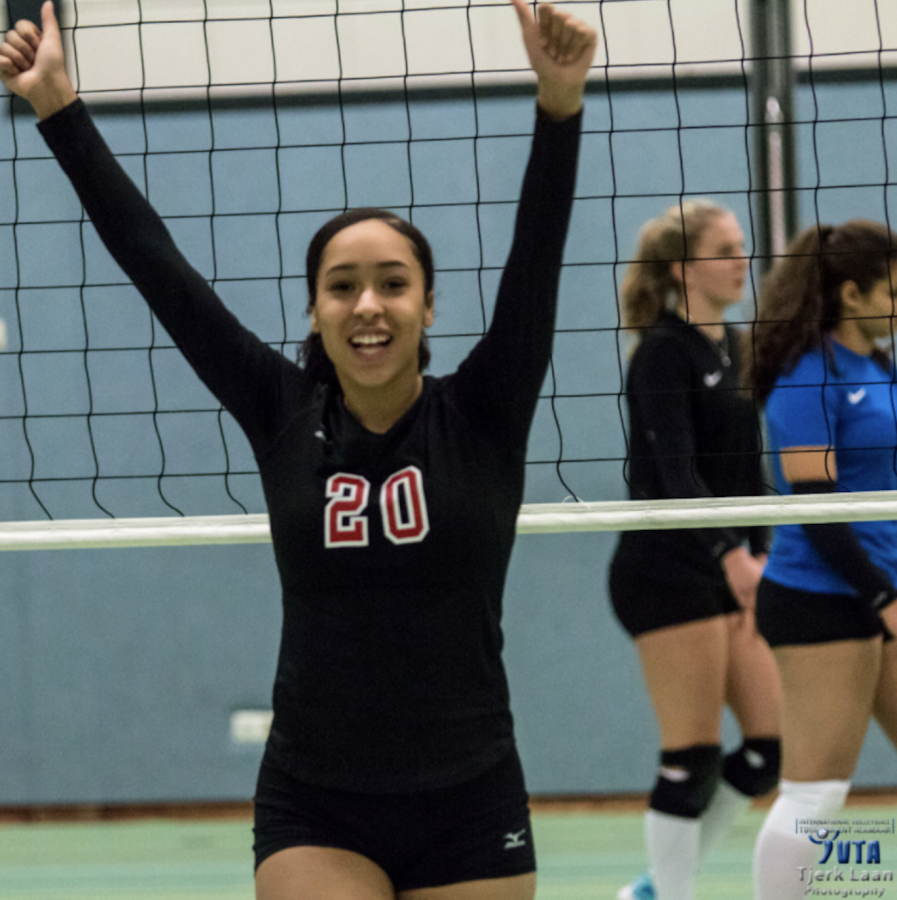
693	432
392	549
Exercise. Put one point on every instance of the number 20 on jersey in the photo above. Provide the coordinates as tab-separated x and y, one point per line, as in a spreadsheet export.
403	509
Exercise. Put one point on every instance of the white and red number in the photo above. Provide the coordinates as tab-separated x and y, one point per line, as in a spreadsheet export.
403	506
344	524
411	525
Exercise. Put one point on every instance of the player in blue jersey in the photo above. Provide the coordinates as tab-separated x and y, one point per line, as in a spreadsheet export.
825	603
686	596
391	769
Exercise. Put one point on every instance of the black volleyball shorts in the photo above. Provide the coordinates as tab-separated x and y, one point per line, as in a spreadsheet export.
788	616
471	831
653	598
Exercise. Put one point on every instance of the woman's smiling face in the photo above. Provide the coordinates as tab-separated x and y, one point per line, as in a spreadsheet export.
371	307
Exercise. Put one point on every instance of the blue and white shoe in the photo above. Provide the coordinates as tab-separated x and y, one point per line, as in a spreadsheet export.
640	889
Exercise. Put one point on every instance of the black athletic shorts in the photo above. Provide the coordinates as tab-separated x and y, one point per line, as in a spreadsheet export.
467	832
656	597
791	616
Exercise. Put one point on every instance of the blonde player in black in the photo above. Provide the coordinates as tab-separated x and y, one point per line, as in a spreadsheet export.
391	769
687	596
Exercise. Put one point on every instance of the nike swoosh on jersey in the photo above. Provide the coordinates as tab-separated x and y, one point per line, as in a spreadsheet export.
856	396
712	379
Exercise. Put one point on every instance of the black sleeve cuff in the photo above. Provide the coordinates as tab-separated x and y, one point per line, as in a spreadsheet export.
759	539
48	126
839	546
545	121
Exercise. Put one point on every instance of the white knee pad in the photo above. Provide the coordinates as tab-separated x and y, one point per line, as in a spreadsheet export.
806	800
782	850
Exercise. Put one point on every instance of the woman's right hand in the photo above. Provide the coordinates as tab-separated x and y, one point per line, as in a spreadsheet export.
561	50
32	64
743	573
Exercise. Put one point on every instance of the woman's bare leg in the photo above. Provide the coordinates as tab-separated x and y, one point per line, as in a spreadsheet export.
321	873
685	671
518	887
754	695
828	695
885	703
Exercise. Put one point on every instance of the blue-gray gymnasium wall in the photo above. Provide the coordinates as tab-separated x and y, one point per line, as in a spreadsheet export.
120	668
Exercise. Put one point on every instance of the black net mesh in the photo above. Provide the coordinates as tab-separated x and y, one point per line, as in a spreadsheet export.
249	124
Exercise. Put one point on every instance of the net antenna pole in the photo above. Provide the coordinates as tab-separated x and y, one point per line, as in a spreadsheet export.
773	116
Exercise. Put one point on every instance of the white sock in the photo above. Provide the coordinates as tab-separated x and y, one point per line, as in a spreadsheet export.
780	852
673	847
725	809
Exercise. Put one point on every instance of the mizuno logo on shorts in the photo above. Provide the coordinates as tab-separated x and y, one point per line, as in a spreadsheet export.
514	839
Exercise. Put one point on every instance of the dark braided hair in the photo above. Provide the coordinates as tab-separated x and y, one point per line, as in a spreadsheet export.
312	355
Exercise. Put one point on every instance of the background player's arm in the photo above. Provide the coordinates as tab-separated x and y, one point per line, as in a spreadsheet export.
811	470
808	464
660	383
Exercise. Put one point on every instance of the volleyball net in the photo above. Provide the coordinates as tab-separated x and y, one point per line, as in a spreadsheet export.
248	123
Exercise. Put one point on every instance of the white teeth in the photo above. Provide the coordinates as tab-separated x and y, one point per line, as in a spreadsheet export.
369	340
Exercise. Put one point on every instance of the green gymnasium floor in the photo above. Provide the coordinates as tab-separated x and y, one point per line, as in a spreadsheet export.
581	855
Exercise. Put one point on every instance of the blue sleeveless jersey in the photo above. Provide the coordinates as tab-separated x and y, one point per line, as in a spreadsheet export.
835	398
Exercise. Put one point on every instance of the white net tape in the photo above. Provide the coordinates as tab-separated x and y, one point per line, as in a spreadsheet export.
543	518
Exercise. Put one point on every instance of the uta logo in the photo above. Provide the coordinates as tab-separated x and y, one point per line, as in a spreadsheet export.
855	396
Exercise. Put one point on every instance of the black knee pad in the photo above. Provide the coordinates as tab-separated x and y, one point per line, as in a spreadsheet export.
687	780
753	769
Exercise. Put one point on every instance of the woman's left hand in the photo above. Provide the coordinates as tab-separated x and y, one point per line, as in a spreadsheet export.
561	49
743	573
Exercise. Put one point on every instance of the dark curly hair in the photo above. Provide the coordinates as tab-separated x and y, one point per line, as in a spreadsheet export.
800	299
312	355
